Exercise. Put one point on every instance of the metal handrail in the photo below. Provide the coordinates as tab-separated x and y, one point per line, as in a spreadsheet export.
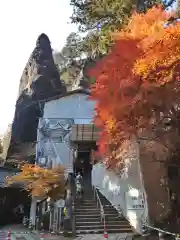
73	207
177	235
99	205
73	219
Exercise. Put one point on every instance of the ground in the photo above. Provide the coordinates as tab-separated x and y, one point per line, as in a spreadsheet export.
18	232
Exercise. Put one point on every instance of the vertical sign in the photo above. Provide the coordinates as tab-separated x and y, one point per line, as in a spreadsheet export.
135	200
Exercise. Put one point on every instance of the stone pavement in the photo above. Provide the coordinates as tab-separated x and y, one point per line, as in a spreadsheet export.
19	232
93	237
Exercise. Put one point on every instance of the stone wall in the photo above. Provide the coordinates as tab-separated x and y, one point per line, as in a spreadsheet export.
153	173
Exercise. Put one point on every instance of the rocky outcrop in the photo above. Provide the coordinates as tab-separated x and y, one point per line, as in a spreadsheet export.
40	80
83	80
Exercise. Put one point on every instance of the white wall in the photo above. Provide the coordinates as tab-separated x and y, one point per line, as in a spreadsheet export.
75	106
65	155
119	190
116	189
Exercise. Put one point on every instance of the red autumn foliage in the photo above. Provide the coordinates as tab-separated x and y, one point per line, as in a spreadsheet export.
138	83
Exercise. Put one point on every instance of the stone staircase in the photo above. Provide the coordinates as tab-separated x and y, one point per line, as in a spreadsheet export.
88	219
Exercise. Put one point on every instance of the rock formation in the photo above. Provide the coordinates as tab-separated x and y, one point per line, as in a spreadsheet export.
40	80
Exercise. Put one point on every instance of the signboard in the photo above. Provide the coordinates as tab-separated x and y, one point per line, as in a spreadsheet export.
60	203
135	200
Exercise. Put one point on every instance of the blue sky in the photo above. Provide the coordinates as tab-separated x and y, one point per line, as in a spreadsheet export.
21	21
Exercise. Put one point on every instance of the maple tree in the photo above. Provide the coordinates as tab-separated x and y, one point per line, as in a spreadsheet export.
40	182
138	84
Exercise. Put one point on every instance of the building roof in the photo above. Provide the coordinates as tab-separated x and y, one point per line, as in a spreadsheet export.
69	93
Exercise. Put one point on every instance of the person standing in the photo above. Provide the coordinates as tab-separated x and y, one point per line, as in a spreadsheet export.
79	188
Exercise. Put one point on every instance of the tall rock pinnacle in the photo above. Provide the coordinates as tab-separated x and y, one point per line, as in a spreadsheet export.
40	80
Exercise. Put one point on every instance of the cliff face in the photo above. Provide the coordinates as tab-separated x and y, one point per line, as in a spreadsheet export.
40	80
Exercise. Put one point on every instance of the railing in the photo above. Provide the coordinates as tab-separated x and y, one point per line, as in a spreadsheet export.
100	206
161	233
72	189
73	219
55	221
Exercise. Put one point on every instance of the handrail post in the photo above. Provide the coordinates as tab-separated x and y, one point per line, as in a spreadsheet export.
104	222
99	205
73	220
94	193
70	183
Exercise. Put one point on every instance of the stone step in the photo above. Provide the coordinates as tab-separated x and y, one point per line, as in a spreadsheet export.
108	220
82	232
116	218
84	215
109	207
101	226
84	203
111	211
87	202
101	230
118	222
87	213
84	206
87	219
88	198
92	211
98	223
87	210
96	214
113	215
86	223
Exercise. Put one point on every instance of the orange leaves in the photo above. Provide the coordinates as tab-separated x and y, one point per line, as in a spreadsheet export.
159	43
146	25
40	182
138	81
163	51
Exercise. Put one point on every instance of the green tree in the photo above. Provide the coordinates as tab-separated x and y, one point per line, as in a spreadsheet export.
69	60
72	49
101	17
59	60
111	14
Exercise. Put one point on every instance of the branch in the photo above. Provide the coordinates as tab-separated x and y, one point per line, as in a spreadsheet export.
169	3
162	68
